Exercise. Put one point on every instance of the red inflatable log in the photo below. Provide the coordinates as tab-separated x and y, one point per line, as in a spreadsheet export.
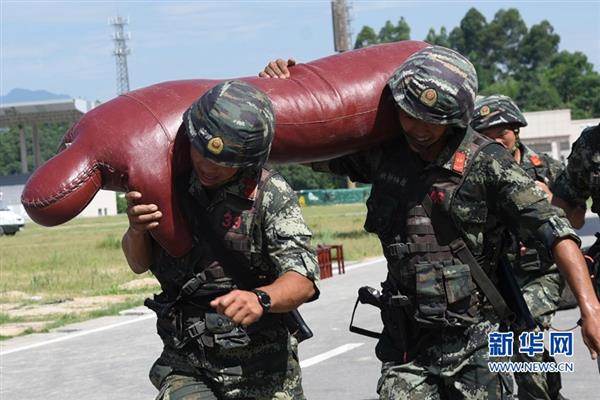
330	107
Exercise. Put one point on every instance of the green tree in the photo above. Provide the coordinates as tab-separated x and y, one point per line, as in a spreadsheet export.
365	37
467	38
537	93
587	103
509	87
502	39
470	39
538	46
440	39
577	83
516	61
388	33
394	33
566	71
301	177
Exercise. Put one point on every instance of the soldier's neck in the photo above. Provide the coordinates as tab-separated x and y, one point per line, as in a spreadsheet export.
517	155
432	152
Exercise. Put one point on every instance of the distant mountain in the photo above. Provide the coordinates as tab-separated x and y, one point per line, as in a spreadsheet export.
25	95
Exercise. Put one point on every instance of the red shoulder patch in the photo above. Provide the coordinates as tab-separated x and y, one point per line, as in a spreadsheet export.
459	162
535	160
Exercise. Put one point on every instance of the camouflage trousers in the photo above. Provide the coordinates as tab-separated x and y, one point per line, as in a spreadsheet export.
542	295
272	376
447	363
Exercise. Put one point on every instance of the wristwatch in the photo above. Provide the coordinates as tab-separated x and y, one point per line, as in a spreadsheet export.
263	299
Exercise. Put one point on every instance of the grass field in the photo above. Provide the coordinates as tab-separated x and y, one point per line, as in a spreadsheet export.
42	266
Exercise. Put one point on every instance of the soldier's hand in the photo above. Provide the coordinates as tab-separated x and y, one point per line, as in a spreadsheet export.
142	217
241	306
590	330
278	69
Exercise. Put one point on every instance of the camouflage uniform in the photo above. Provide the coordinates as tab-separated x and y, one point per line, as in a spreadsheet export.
436	346
581	178
257	218
540	281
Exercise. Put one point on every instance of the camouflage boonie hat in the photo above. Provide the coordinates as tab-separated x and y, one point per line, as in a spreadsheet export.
232	125
496	110
436	85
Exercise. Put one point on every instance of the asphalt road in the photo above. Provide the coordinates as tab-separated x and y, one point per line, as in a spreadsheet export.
109	358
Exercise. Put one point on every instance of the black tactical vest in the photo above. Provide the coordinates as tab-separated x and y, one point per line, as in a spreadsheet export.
185	319
236	222
421	265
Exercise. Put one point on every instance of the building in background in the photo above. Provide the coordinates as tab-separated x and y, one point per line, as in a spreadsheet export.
553	131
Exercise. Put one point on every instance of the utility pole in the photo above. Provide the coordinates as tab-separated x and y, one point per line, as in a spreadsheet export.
342	35
120	38
342	38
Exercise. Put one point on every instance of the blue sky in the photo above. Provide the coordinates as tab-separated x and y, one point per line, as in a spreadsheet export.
65	46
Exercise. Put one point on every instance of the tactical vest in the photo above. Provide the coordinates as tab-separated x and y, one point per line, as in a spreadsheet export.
236	223
185	319
529	261
426	261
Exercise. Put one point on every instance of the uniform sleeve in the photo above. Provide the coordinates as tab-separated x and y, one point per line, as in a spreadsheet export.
359	167
572	185
522	204
286	234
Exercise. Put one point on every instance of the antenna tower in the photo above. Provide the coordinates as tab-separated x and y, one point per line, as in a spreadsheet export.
120	37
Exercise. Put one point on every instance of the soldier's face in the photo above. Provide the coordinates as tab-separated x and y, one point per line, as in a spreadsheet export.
210	174
420	135
504	135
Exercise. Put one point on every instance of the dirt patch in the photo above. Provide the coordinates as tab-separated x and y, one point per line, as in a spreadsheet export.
17	328
68	306
144	283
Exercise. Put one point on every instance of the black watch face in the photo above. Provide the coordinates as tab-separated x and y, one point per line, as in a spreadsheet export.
264	299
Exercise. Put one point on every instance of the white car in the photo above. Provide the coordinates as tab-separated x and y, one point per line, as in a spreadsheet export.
10	223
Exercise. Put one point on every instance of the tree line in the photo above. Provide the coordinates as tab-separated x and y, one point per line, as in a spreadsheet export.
512	59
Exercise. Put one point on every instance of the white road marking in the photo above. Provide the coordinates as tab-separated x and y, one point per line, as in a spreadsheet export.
366	263
329	354
78	334
377	260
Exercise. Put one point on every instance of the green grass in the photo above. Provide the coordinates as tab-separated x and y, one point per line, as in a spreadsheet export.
5	318
83	257
343	224
59	320
113	309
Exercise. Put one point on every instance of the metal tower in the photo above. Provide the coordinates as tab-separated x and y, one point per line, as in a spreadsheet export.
120	37
342	26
